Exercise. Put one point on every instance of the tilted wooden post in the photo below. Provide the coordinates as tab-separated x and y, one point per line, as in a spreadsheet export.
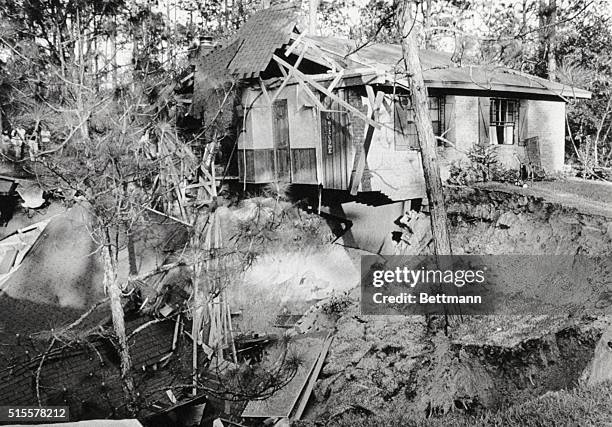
424	129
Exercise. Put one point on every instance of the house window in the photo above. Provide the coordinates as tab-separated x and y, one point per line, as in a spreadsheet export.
504	120
405	128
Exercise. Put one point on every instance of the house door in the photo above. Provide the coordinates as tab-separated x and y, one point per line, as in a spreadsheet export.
335	140
282	149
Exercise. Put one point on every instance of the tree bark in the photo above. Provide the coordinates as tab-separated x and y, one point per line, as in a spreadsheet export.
426	10
133	261
427	142
548	20
114	292
313	5
552	34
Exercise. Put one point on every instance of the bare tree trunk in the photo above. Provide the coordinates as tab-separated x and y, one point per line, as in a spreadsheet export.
424	129
313	5
600	128
548	19
132	256
426	10
114	292
199	309
113	42
197	320
552	33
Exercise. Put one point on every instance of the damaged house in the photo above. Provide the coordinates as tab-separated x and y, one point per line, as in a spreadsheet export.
322	111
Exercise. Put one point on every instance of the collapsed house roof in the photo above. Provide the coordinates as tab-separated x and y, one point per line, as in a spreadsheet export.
59	283
249	54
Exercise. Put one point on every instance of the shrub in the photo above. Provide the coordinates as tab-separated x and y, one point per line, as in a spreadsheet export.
482	166
337	304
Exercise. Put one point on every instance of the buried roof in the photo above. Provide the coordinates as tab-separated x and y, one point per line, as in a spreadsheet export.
60	281
249	53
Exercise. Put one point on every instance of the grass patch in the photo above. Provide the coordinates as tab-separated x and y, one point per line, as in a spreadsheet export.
582	406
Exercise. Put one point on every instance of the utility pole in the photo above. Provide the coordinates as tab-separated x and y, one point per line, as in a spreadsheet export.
427	141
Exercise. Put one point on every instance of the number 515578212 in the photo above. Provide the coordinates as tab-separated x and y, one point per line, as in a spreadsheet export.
34	413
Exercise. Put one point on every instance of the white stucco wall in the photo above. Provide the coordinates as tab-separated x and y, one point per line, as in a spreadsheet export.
546	120
398	174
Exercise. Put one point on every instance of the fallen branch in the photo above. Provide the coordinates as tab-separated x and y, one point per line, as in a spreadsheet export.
169	216
162	269
85	315
38	371
144	326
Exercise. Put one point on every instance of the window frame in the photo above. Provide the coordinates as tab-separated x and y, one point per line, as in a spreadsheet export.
408	139
511	119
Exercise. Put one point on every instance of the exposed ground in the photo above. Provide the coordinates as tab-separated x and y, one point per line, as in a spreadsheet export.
396	370
399	370
589	197
293	265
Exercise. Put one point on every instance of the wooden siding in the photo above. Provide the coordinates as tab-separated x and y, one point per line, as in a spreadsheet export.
335	140
484	120
304	165
259	165
280	132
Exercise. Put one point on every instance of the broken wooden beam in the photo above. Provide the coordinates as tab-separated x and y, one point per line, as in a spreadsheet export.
312	380
361	156
290	75
306	79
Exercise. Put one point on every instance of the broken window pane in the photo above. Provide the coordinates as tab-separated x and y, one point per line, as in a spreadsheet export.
405	134
504	119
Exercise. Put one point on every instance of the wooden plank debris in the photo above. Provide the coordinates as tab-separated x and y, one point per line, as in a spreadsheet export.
362	155
14	248
289	75
8	260
312	380
281	403
323	89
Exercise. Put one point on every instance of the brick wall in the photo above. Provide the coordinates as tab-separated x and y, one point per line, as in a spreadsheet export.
462	129
466	121
546	120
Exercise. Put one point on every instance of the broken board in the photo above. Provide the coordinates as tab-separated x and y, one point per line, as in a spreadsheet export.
281	403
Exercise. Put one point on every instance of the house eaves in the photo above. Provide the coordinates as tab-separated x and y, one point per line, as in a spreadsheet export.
439	72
